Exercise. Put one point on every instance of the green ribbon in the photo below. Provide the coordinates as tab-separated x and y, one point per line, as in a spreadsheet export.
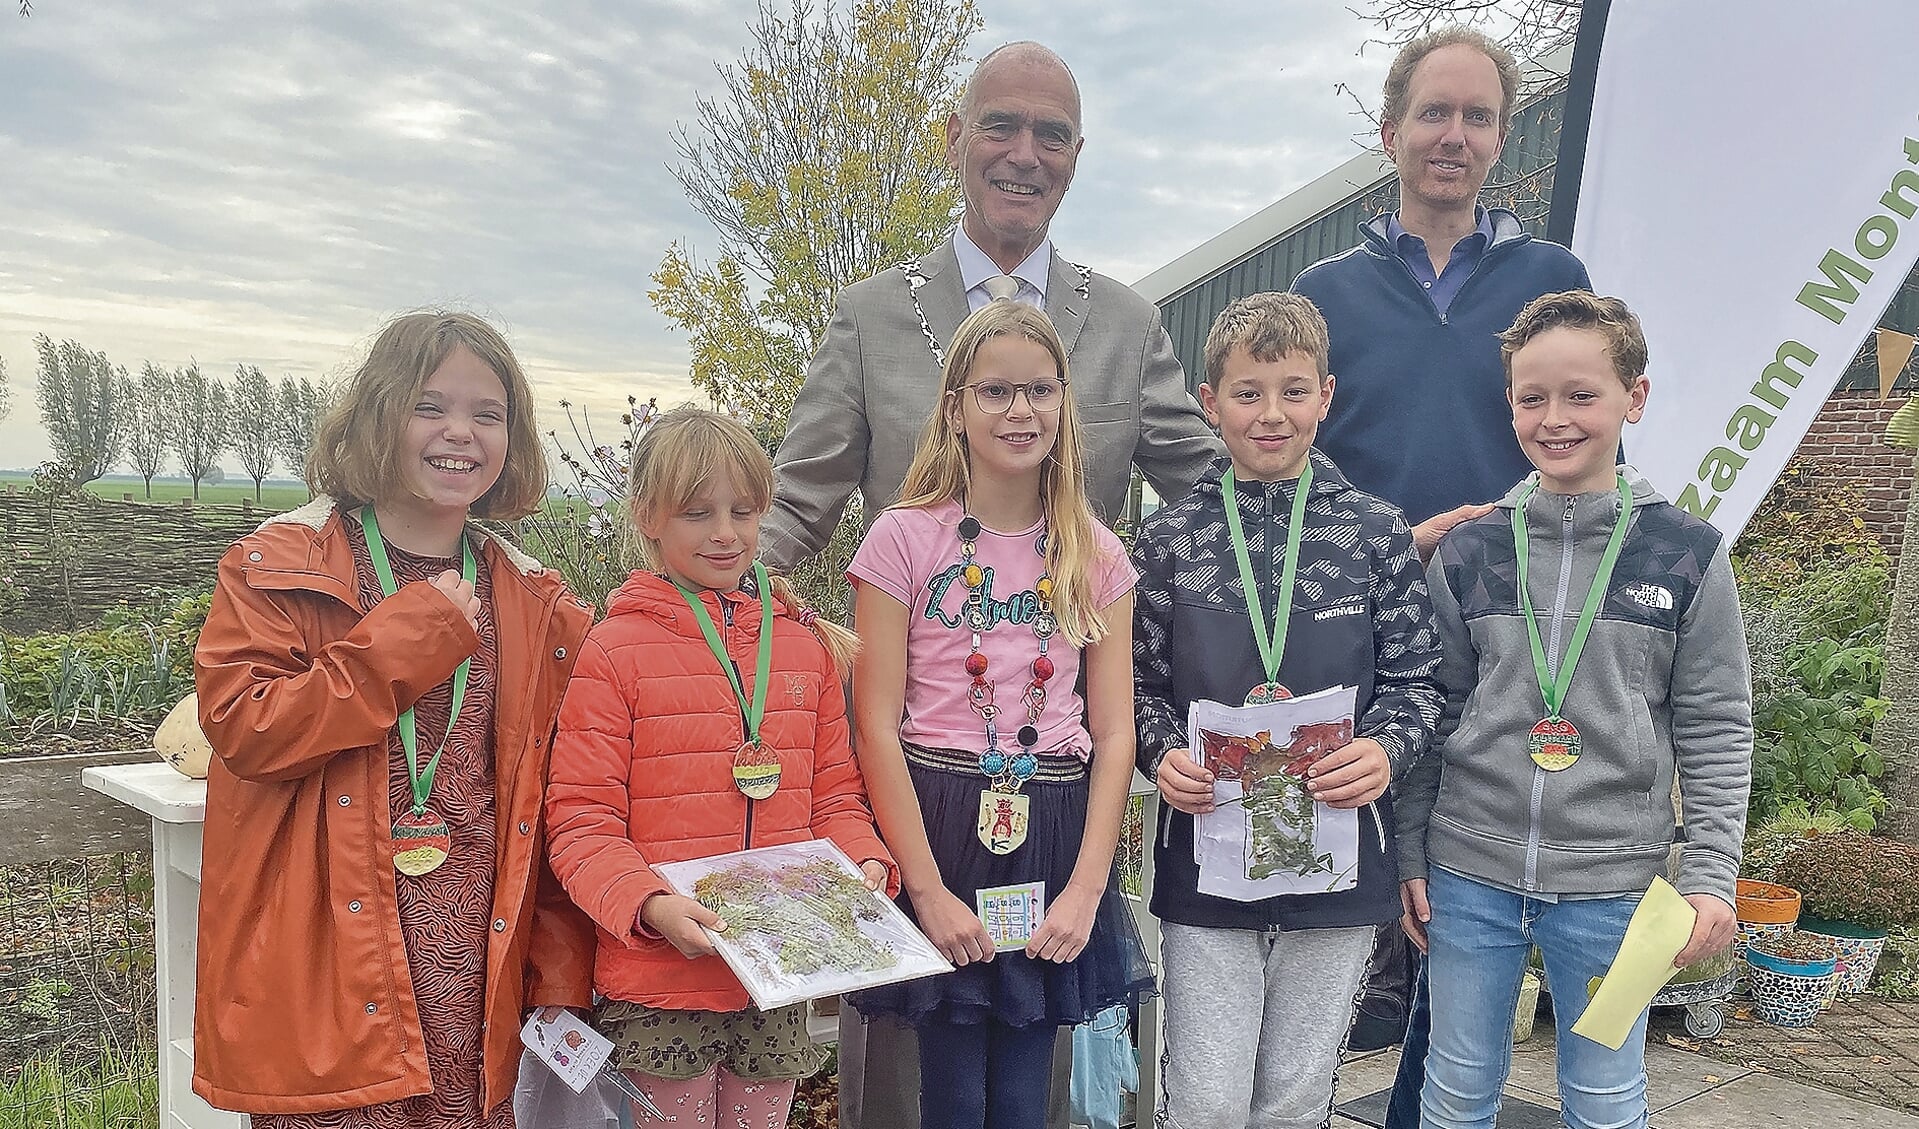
420	781
751	710
1552	689
1272	648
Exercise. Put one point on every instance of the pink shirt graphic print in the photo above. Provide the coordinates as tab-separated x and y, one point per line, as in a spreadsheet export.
914	556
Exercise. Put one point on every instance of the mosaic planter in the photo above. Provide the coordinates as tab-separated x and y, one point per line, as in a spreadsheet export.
1765	909
1788	991
1855	948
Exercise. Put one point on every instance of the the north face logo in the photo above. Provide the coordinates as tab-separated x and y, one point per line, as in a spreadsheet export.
1651	596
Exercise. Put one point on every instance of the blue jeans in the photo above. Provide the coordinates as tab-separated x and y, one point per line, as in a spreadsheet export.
1479	939
1402	1112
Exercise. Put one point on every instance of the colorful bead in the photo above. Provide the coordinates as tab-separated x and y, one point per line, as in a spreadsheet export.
976	664
1044	588
973	575
1042	668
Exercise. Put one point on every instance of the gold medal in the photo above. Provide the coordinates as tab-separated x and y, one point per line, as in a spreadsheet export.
421	842
1002	820
1553	743
756	771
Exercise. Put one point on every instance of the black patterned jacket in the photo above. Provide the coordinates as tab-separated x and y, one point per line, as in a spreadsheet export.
1361	617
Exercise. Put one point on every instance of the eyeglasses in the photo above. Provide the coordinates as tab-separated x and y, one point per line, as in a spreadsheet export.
995	397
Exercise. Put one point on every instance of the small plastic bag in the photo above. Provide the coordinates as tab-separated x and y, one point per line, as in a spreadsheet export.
542	1101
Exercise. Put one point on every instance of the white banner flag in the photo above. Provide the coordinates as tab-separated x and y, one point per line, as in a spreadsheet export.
1749	188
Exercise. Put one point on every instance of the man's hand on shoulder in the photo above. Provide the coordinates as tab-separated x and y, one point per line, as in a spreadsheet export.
1427	534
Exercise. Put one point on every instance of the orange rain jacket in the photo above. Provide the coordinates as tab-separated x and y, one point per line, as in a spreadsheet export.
643	774
304	998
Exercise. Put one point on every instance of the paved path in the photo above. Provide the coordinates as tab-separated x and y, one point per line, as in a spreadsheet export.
1862	1047
1686	1091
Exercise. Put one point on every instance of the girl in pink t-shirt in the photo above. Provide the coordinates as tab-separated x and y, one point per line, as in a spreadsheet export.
979	598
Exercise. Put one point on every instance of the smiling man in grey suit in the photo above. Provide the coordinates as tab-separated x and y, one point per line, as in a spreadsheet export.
876	375
873	380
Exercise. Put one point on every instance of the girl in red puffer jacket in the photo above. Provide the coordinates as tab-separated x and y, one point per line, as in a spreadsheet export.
670	747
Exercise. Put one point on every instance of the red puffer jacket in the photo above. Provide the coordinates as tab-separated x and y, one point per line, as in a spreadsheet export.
643	773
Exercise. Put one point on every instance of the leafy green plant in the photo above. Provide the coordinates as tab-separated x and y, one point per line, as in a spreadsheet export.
1898	974
1812	584
113	1092
136	662
1812	737
1769	840
1853	877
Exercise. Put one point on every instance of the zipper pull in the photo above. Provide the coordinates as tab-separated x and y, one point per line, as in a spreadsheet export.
1568	519
726	606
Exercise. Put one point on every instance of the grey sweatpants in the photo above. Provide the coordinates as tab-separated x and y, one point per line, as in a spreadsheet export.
1255	1020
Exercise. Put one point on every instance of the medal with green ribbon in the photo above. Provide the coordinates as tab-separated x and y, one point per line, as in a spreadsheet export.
1272	648
756	768
421	839
1554	742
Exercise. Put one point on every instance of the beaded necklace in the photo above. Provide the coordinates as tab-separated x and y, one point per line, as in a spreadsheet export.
1003	810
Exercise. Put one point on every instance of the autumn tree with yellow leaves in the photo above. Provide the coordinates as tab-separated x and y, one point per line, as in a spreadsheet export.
823	161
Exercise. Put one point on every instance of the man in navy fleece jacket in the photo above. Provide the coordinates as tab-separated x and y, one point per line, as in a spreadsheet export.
1414	315
1416	309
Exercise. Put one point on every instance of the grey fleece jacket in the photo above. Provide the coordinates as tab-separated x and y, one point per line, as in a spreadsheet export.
1663	686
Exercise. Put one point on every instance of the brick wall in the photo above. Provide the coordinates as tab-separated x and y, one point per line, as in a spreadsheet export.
1848	436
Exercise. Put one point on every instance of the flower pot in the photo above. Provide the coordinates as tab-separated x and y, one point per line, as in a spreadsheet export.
1788	983
1765	909
1528	1007
1855	950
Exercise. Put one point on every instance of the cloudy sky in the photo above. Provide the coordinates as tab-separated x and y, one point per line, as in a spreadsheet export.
265	182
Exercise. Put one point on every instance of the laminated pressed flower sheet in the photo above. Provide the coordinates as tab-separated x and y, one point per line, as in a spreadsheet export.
801	924
1266	835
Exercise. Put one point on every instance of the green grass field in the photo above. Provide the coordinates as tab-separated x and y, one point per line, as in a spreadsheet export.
273	499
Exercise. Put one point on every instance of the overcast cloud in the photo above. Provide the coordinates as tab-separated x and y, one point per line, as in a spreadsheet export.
266	182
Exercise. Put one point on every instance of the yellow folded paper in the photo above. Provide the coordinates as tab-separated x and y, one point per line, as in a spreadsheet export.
1659	928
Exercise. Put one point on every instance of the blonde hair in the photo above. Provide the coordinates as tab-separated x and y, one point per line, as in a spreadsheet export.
356	447
1581	309
941	470
1399	77
683	451
1268	326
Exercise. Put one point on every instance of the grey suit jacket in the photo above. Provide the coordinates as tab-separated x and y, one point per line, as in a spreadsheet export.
874	379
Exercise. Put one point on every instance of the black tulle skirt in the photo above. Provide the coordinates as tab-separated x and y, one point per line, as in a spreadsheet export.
1013	988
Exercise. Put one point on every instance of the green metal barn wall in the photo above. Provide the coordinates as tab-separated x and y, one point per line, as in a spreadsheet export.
1522	181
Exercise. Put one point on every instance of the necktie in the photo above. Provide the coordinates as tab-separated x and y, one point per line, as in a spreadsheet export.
1001	286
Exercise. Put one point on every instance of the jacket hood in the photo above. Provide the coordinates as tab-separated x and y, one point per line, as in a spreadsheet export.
1643	493
650	594
1507	229
1327	478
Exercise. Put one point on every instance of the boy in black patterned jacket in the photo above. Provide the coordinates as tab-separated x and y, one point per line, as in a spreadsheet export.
1258	995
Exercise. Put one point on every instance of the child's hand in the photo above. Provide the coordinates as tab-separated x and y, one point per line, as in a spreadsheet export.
454	587
1069	921
875	873
1183	784
1353	775
1712	931
955	930
678	918
1412	898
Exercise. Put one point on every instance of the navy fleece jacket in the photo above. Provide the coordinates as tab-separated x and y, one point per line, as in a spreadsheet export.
1420	416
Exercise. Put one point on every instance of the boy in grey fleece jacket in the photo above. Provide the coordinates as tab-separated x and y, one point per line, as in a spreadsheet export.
1593	649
